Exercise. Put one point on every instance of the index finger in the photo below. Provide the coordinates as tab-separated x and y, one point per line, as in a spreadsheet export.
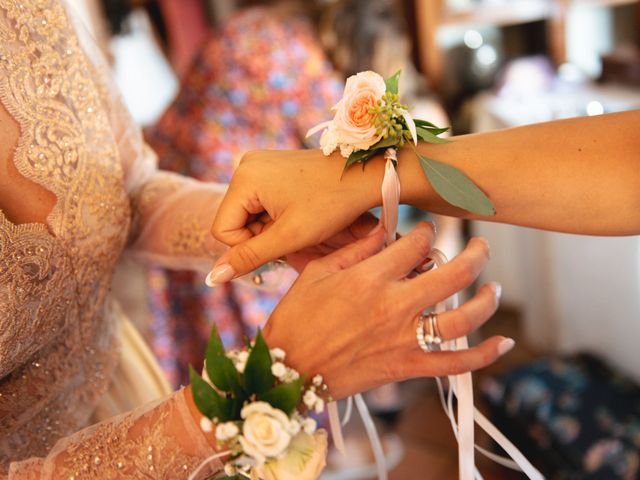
231	223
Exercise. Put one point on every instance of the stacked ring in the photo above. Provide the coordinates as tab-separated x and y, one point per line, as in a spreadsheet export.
426	340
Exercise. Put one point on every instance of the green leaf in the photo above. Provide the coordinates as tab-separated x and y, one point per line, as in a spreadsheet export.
257	374
220	369
427	136
392	82
455	187
358	157
285	396
208	401
423	123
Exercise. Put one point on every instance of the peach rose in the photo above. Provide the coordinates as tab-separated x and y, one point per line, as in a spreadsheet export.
353	123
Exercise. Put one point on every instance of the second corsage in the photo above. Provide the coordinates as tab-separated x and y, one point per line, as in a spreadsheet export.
259	408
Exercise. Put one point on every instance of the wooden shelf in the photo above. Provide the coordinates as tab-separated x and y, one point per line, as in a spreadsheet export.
512	13
433	16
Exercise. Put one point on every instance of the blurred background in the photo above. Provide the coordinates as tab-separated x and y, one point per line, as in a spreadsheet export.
210	79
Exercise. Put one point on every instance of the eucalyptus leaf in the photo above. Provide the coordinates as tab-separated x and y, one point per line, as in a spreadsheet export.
220	369
437	130
358	157
427	136
257	373
208	401
285	396
423	123
455	187
392	82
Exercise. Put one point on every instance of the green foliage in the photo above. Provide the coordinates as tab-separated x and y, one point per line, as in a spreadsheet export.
392	82
220	369
428	136
285	396
455	187
208	401
258	378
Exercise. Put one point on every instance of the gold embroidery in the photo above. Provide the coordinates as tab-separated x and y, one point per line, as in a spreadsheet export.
57	347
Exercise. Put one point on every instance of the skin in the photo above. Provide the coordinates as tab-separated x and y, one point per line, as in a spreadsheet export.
579	175
359	281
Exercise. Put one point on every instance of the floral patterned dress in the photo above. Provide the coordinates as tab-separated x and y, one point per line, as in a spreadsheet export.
259	83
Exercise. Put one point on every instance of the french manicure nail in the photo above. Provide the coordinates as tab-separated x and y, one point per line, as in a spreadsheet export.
220	274
486	242
497	289
506	345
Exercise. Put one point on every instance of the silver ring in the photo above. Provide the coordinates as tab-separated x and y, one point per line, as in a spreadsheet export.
426	340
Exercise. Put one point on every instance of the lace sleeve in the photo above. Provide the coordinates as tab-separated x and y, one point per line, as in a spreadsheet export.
171	214
155	441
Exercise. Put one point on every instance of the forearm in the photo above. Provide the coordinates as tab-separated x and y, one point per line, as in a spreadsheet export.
161	440
579	175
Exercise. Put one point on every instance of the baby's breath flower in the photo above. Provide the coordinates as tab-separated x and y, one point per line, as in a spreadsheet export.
277	354
309	425
310	399
206	425
279	370
317	380
319	406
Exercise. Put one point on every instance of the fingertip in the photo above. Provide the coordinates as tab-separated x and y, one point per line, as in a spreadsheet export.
505	345
485	245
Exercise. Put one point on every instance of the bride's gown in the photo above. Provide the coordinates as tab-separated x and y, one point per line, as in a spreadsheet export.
59	331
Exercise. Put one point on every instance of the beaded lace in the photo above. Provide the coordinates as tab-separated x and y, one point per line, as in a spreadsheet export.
58	336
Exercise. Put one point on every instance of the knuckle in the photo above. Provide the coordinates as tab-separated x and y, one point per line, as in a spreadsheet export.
465	272
420	243
247	257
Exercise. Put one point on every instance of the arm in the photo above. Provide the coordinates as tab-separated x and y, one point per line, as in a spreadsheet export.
161	440
579	175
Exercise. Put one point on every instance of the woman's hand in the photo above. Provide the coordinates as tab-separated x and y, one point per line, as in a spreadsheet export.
305	198
352	315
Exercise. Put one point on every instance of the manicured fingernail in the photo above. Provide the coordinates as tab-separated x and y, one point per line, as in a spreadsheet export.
486	242
497	289
427	265
506	345
375	230
220	274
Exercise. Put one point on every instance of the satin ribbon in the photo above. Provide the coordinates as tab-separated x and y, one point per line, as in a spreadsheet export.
459	385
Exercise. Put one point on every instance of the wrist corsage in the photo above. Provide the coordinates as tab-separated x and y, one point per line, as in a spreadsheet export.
370	120
259	408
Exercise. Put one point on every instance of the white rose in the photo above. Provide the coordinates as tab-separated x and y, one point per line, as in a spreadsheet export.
265	432
353	122
304	459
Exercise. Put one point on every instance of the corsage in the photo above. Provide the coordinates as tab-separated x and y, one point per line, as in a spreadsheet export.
259	408
370	120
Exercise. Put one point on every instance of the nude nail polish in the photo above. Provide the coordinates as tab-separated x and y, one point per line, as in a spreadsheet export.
497	290
506	345
220	274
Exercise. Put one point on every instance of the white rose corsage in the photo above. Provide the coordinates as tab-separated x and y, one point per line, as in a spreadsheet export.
370	120
258	407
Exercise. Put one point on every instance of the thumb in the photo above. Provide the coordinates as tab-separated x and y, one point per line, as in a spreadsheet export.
271	243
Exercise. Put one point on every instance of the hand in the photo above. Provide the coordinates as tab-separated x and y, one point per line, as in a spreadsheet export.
352	315
304	197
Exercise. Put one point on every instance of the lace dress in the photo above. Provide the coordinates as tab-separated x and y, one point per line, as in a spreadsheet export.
58	330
